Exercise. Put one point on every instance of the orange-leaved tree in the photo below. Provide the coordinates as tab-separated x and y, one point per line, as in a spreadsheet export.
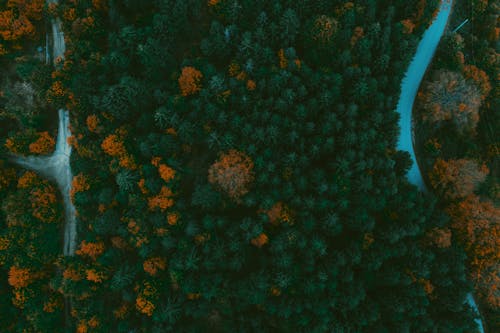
457	178
232	173
189	81
17	21
477	225
449	96
43	145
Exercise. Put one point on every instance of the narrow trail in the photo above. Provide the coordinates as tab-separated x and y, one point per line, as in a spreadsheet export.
409	88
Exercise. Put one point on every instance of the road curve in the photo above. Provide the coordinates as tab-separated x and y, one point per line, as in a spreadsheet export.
409	88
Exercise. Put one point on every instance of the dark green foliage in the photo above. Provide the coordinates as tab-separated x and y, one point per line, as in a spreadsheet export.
348	250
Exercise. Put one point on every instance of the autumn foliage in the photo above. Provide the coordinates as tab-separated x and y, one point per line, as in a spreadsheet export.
162	200
189	81
477	224
90	249
324	29
153	265
43	145
19	277
260	240
232	173
450	97
18	19
113	146
457	178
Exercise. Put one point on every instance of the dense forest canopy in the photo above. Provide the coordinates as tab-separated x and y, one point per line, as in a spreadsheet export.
457	125
235	170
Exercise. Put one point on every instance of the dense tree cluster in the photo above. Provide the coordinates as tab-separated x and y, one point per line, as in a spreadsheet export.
459	143
237	174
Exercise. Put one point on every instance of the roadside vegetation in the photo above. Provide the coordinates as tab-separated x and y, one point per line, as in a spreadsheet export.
457	123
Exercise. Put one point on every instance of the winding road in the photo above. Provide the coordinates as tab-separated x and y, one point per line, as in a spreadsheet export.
409	88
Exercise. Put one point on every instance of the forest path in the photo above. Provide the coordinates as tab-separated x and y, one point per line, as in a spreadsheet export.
57	166
409	88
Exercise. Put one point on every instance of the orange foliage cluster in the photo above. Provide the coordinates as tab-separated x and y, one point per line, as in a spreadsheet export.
100	4
142	303
251	85
152	265
457	178
344	8
69	14
368	240
71	274
480	78
477	224
260	240
42	202
19	277
440	237
84	325
189	81
92	123
356	35
43	145
20	298
233	69
275	291
91	250
213	2
193	296
133	228
113	146
232	173
324	29
172	218
282	58
144	306
79	184
16	21
278	213
166	172
163	200
57	89
10	145
408	26
51	306
241	76
94	276
4	243
201	238
427	285
27	179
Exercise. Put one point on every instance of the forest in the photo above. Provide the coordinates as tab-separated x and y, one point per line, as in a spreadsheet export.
235	168
457	129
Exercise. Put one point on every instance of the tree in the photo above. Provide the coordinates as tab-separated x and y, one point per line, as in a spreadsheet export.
477	224
324	28
457	178
450	97
17	21
189	81
232	173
